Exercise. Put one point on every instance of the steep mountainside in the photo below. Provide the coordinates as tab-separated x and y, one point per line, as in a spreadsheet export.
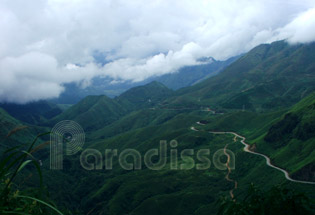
269	76
286	135
33	112
14	132
190	75
260	98
95	112
134	120
291	140
148	95
92	112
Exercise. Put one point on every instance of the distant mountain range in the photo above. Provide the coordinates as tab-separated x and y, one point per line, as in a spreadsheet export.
267	95
184	77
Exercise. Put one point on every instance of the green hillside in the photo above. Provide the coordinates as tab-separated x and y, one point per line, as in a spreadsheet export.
145	191
282	134
32	113
92	112
95	112
267	96
190	75
134	120
14	132
290	141
145	96
267	77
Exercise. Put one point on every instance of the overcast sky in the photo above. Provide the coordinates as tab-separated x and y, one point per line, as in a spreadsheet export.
45	43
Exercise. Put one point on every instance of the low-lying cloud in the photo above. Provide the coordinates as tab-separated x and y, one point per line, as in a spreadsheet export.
44	44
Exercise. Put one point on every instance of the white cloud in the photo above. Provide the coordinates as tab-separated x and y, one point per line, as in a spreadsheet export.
42	41
301	29
138	70
28	78
35	75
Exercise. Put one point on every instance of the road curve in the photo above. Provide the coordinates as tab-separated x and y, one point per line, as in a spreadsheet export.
246	149
227	177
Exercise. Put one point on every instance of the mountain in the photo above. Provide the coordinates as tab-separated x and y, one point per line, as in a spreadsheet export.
92	112
8	123
267	96
145	191
184	77
13	132
148	95
190	75
33	112
132	121
285	135
95	112
73	92
293	136
269	76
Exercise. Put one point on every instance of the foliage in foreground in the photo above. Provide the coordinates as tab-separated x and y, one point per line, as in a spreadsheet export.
12	199
276	201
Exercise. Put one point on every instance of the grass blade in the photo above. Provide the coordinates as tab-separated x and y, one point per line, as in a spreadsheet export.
24	164
42	202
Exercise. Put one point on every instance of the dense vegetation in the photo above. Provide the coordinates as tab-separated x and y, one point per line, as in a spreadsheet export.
271	76
13	199
275	201
267	95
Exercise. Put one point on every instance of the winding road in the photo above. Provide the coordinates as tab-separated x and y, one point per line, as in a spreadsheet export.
246	149
227	177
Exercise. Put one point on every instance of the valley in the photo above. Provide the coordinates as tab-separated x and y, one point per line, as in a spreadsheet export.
260	106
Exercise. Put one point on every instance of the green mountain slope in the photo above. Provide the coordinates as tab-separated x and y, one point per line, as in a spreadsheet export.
266	82
134	120
95	112
32	113
145	96
290	141
92	112
286	135
190	75
16	133
269	76
145	191
8	123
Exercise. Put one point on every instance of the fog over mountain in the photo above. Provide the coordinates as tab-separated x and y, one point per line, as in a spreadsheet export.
45	44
